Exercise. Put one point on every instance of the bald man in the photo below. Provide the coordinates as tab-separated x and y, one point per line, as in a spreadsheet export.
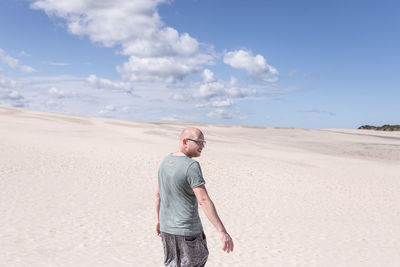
181	187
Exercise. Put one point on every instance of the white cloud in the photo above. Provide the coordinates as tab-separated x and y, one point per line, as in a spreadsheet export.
220	94
110	108
173	117
212	92
51	103
208	76
71	94
59	64
209	90
255	66
107	22
58	93
25	68
161	68
161	42
156	52
9	95
23	54
159	58
94	96
102	83
14	63
217	103
14	95
220	113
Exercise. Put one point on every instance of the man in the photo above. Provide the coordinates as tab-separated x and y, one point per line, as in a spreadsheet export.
180	189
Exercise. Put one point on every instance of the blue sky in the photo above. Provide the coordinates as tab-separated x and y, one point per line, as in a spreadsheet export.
309	64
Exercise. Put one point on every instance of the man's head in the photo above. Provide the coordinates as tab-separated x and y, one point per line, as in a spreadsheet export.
191	142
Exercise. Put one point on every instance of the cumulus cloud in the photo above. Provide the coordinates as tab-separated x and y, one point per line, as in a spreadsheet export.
107	22
107	109
156	52
220	93
102	83
173	117
161	68
56	92
159	58
112	109
255	66
9	95
161	42
217	103
14	63
208	76
68	94
216	93
220	113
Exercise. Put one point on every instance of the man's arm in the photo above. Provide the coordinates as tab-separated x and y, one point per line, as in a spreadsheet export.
209	209
158	201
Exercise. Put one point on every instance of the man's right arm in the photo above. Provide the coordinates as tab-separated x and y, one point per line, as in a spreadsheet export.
209	209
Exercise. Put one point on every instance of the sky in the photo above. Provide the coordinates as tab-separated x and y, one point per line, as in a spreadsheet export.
306	64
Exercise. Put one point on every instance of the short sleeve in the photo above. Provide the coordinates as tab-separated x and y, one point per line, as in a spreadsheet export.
194	175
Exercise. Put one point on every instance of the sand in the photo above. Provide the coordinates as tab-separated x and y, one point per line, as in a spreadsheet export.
79	191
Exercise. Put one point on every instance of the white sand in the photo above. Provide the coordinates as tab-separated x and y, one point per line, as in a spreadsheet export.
79	191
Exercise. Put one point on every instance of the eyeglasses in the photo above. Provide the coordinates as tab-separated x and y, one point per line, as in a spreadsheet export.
198	142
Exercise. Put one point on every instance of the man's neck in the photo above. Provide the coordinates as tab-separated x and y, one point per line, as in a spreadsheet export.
180	153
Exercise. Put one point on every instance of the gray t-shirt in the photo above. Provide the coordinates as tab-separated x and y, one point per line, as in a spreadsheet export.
179	208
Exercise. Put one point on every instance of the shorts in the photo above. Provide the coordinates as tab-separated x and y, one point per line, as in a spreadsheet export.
184	251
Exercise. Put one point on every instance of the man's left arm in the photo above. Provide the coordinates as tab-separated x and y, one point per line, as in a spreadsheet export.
209	209
158	201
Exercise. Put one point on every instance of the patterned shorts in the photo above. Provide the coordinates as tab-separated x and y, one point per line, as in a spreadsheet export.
185	251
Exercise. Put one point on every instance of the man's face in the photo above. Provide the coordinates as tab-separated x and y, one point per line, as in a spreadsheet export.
195	146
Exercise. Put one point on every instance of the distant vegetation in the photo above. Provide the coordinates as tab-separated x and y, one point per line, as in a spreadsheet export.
385	127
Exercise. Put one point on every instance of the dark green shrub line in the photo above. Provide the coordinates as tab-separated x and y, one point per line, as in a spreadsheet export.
385	127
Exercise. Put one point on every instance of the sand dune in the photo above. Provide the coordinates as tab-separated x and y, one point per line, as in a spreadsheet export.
79	191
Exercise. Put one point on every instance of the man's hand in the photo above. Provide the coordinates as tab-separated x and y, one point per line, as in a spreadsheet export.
227	243
158	229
